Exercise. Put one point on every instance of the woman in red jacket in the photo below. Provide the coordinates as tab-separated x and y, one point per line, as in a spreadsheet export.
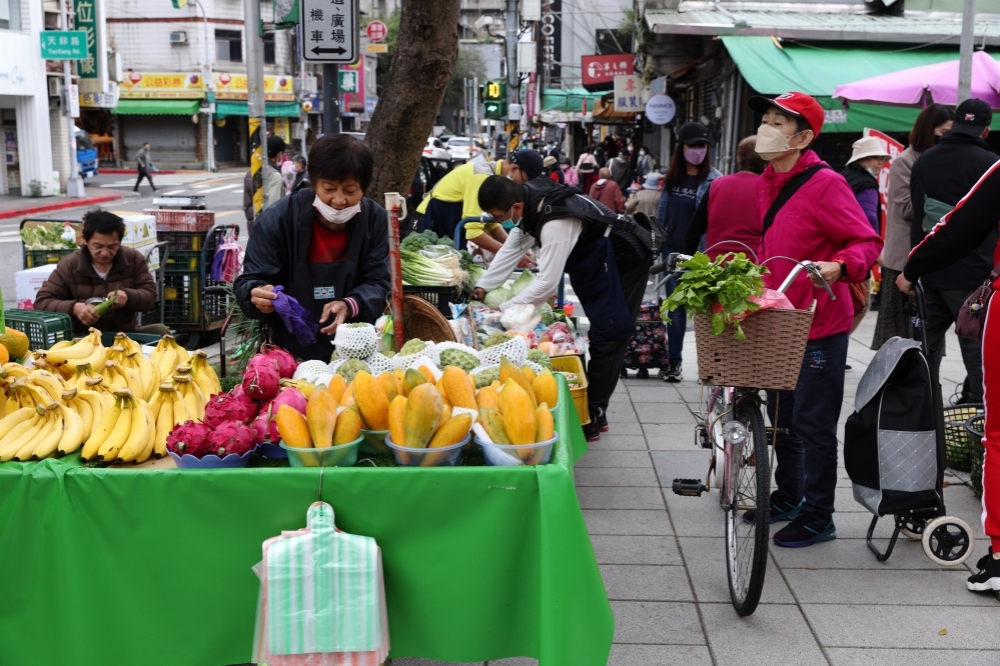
952	239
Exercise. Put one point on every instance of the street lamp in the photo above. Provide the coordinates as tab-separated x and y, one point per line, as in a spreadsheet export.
206	73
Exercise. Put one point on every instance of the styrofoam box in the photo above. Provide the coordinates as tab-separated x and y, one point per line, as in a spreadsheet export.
28	282
140	234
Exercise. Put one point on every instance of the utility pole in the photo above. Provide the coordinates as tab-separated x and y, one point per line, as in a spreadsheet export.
513	97
255	101
74	184
331	99
303	115
965	51
206	72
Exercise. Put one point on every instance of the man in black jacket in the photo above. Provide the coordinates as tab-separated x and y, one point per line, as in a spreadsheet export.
941	176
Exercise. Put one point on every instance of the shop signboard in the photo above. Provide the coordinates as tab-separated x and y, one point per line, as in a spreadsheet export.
629	94
277	88
598	69
86	21
330	31
163	85
660	109
64	44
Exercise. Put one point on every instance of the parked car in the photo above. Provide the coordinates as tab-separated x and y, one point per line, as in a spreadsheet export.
437	154
461	149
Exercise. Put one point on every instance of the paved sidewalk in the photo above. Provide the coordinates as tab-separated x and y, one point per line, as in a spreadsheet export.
662	557
16	206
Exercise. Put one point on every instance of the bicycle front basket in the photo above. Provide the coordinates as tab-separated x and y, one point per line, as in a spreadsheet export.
769	358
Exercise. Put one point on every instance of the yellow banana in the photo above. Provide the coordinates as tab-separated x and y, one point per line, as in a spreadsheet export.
164	423
78	351
138	436
73	431
44	379
95	403
20	434
182	354
13	370
8	423
165	357
205	374
131	346
181	413
101	432
133	381
185	386
62	344
148	371
86	414
50	432
123	427
147	450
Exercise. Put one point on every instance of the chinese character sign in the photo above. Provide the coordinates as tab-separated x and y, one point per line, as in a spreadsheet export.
330	31
629	94
86	20
604	68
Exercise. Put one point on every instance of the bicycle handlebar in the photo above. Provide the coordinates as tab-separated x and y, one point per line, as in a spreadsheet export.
675	258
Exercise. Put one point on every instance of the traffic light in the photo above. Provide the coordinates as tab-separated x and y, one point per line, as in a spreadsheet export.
494	96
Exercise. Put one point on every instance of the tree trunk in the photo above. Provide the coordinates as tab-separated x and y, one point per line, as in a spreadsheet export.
426	50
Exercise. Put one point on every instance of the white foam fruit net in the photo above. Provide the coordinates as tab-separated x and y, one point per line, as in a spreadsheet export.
445	346
379	363
515	349
310	370
356	342
407	361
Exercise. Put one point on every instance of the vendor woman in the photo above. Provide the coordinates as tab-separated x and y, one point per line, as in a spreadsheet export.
327	245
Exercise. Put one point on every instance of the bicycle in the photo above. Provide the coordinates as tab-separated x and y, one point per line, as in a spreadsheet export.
732	427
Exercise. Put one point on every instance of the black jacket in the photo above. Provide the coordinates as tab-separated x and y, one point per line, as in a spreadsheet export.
947	172
274	246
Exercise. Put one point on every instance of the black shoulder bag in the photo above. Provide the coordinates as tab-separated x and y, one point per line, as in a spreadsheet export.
787	192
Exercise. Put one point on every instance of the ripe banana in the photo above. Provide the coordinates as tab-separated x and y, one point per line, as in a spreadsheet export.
205	374
50	432
78	351
86	413
164	421
181	413
97	407
109	419
138	436
52	385
150	440
187	389
165	356
23	432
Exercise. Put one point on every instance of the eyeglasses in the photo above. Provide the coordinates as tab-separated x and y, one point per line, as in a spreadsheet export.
98	247
500	219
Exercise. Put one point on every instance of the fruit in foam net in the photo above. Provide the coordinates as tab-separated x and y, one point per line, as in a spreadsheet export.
494	339
413	346
348	369
540	357
459	358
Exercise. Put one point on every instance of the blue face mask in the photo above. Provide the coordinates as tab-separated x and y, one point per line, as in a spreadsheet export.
872	172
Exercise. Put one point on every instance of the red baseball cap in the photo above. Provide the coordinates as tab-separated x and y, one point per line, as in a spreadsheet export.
793	103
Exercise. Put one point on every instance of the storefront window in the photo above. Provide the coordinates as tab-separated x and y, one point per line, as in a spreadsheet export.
269	48
10	14
228	45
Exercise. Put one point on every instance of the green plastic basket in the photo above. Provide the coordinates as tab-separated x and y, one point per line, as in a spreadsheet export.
974	426
43	329
958	444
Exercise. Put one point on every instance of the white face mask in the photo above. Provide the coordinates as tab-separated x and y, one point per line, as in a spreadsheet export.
642	153
772	142
334	216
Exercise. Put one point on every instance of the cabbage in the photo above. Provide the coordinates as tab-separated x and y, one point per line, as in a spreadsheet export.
496	297
522	282
547	315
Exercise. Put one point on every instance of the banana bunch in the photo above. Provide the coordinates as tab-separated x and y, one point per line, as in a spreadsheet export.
125	433
192	395
168	355
33	433
131	358
89	405
85	379
85	350
204	374
24	392
118	377
169	410
53	385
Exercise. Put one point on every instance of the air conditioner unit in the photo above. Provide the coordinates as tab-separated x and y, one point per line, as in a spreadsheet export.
55	86
179	37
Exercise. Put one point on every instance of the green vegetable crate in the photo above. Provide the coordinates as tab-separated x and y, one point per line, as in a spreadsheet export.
36	258
440	297
43	329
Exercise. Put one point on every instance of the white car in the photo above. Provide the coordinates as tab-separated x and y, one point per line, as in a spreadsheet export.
461	149
435	152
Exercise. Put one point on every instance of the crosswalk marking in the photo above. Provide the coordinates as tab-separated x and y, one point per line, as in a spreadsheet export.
189	180
215	189
172	193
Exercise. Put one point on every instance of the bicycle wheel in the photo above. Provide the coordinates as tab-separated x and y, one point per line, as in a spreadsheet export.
749	489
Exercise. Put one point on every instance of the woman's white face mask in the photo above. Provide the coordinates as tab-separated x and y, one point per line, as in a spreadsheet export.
772	142
333	215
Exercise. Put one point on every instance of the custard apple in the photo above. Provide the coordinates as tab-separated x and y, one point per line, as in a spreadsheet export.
487	377
351	367
459	358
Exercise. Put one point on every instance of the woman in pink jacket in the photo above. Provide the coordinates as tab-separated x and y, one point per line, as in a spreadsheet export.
821	222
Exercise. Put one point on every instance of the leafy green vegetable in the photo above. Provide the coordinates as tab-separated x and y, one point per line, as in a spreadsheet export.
720	288
45	237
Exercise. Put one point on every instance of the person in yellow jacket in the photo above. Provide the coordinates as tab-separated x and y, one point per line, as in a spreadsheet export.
456	197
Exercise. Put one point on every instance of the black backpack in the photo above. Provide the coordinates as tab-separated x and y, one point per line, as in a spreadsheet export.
890	442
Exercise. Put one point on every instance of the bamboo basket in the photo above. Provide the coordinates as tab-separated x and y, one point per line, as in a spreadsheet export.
423	321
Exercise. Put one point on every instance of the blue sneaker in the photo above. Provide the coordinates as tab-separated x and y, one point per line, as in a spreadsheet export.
782	509
805	530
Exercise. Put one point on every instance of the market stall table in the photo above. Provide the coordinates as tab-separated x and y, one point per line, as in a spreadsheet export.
152	566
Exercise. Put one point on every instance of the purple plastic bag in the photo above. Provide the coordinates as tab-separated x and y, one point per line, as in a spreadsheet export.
298	320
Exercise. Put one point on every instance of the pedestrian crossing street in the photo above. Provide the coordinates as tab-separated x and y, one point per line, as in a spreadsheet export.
183	183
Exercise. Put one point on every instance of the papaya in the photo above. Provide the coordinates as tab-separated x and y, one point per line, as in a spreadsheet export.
347	397
528	373
426	372
487	397
397	414
348	426
337	387
545	429
492	421
546	389
456	385
445	415
423	412
293	428
510	371
413	378
372	401
452	432
495	384
321	417
401	388
518	413
388	383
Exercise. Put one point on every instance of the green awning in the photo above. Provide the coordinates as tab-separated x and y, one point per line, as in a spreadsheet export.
272	109
568	100
817	71
157	107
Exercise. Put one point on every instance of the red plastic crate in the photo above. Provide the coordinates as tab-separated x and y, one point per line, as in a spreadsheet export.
182	220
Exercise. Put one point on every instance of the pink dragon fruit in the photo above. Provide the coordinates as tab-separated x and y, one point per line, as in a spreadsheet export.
284	360
291	396
190	438
231	438
238	392
225	407
264	427
261	382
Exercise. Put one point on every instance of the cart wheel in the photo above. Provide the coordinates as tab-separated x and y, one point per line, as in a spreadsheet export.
914	529
947	540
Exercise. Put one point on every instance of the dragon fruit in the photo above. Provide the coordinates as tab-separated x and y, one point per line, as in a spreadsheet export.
261	382
238	392
285	361
231	438
226	407
264	429
190	438
291	396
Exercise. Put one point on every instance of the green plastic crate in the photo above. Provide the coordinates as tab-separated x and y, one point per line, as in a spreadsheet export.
43	329
36	258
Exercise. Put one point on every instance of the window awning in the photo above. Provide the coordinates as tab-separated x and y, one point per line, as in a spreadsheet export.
273	110
817	71
157	107
569	100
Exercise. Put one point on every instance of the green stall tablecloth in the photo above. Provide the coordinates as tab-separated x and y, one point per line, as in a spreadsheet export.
152	567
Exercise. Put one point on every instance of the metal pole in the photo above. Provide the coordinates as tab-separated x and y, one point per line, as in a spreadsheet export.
303	115
74	184
965	51
206	71
331	99
255	101
396	206
510	43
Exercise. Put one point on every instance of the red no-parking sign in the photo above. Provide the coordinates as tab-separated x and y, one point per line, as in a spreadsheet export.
377	31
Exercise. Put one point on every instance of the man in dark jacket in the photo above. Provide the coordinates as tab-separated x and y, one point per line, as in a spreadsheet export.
101	268
941	176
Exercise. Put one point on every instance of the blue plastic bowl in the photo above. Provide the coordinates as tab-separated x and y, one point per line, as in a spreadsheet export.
211	461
